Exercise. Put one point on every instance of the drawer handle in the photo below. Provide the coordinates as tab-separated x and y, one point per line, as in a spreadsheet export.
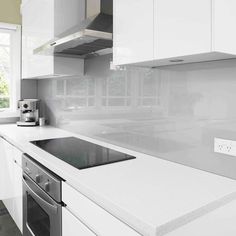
52	44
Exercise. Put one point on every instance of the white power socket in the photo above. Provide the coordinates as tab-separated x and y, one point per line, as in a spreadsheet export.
225	146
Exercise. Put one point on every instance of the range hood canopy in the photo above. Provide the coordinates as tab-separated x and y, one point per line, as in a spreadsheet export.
92	37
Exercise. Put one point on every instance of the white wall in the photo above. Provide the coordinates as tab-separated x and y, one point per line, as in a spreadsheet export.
10	11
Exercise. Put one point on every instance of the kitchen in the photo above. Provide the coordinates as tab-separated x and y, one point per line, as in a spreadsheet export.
116	124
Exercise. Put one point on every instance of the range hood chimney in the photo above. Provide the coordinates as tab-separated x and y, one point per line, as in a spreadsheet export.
90	38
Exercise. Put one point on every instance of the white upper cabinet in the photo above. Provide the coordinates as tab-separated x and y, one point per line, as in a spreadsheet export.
182	31
36	30
133	31
182	27
224	23
42	21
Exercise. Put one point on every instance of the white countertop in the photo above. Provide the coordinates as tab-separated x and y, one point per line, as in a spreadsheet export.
151	195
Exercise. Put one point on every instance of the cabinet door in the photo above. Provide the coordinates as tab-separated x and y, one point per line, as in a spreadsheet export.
95	217
132	31
8	177
17	200
18	188
11	181
223	26
182	27
37	29
72	226
3	170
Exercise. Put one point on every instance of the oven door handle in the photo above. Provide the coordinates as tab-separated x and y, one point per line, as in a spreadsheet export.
43	202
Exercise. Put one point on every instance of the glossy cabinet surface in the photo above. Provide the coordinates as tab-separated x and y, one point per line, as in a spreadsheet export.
224	25
37	29
72	226
182	27
176	32
7	178
18	190
133	31
10	182
92	215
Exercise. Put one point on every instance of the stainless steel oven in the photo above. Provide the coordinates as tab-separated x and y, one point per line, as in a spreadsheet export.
42	204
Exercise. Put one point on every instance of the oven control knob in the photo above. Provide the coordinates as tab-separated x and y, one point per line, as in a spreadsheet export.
47	186
25	106
37	178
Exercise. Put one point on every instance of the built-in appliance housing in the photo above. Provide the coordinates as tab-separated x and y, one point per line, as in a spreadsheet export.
42	204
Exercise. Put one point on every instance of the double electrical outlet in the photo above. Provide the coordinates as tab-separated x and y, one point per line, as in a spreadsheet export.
225	146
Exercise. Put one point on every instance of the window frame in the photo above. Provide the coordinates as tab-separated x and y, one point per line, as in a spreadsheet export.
15	84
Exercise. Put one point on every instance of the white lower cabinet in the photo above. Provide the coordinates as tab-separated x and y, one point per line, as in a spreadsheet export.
11	180
7	178
17	197
99	221
72	226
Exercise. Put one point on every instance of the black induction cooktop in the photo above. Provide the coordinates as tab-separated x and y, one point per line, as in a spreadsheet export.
79	153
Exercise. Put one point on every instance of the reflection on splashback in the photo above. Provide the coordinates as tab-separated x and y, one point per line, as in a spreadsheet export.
172	113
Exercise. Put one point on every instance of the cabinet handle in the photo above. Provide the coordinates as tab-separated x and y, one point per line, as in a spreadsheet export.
52	44
2	137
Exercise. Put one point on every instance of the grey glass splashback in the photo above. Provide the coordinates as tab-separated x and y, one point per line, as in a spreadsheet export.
172	113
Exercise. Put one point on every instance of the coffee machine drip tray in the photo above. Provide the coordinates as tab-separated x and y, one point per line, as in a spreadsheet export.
26	124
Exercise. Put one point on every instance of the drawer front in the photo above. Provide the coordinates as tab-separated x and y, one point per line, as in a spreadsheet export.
93	216
72	226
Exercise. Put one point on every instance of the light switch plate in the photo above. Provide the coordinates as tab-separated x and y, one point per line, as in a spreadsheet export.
225	146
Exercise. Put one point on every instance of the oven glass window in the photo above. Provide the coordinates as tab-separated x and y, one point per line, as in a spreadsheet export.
38	220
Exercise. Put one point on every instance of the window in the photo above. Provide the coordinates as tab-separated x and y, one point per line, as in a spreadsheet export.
116	90
75	94
10	48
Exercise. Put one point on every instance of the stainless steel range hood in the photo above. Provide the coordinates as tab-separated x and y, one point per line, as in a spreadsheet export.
90	38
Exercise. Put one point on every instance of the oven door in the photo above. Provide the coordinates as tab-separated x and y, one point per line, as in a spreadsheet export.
41	214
